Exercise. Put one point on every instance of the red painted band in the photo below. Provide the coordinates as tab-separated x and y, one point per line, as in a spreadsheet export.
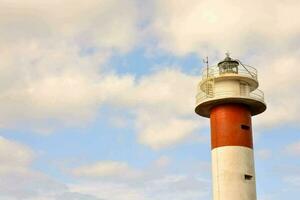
231	126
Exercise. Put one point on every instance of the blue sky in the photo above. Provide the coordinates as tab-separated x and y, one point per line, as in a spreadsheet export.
97	97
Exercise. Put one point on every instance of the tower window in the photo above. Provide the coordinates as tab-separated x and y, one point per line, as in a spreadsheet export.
248	177
245	127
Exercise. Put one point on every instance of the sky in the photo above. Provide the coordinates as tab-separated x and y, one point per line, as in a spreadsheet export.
97	97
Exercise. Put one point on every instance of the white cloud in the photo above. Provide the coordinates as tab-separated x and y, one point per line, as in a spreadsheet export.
104	23
165	108
177	187
14	156
52	55
163	103
165	132
19	181
55	83
154	181
206	26
278	79
111	191
104	169
149	186
36	186
170	89
49	78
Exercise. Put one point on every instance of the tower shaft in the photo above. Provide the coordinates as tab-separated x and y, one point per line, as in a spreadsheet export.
232	153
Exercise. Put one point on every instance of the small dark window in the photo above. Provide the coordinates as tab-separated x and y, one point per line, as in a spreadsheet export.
248	177
245	127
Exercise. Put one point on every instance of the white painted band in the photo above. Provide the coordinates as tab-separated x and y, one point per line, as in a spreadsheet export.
233	173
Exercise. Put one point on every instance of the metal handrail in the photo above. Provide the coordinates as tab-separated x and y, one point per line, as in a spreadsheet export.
256	94
244	70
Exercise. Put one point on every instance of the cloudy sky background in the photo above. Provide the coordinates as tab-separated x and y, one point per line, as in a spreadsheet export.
97	96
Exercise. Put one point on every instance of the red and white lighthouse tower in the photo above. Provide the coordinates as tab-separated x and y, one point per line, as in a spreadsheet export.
228	95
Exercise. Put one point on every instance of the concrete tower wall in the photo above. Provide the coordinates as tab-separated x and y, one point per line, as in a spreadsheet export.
231	126
232	86
232	153
233	173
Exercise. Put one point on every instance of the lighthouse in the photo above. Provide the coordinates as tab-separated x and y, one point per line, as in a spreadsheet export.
228	94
